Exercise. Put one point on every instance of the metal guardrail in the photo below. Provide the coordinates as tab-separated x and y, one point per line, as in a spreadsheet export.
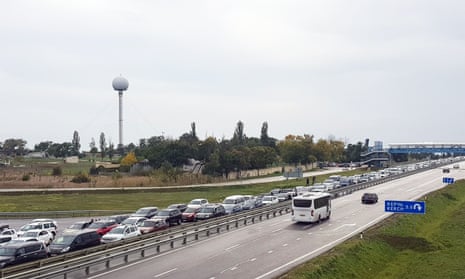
86	261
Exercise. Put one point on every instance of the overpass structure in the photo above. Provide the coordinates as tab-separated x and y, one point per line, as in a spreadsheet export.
405	148
378	156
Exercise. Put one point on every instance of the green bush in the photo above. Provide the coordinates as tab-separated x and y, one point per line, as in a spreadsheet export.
81	178
57	171
26	177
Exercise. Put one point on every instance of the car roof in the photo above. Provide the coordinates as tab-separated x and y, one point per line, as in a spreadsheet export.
18	244
78	232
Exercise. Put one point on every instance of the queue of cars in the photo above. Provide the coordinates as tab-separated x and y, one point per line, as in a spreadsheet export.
40	238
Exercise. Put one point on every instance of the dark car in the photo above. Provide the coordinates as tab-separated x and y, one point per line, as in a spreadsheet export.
170	215
119	218
74	240
21	252
103	226
369	198
147	212
445	170
190	214
181	206
211	211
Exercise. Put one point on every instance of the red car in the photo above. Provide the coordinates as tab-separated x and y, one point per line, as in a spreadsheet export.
153	225
103	226
190	214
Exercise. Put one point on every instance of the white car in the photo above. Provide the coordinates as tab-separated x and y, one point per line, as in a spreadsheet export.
197	203
37	235
121	232
268	200
134	221
40	224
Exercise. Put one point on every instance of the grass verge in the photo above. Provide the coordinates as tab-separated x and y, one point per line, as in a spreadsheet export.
402	246
127	199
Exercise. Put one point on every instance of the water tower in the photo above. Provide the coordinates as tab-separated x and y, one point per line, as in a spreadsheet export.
120	84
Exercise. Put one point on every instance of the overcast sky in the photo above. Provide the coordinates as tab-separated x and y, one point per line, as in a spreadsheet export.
392	71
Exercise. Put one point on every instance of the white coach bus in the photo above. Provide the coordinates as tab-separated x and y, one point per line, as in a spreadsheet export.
311	207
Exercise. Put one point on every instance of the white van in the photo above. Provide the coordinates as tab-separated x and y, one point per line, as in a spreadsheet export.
233	204
311	207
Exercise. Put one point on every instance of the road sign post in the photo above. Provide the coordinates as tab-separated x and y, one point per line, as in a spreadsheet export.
409	207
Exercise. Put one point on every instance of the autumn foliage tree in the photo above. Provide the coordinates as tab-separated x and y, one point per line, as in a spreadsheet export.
129	160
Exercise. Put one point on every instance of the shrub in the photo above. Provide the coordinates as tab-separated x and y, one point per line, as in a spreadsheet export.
80	178
57	171
26	177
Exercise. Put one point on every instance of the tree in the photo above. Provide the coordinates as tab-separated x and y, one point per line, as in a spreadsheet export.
129	160
14	147
76	142
103	145
193	132
111	150
239	136
42	146
93	147
292	150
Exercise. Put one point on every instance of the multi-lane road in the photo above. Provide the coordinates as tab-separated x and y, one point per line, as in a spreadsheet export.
272	247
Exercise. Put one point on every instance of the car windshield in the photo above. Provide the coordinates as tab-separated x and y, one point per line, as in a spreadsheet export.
195	202
267	198
64	239
207	210
117	230
163	213
229	201
143	211
190	210
96	225
77	226
129	221
31	227
7	251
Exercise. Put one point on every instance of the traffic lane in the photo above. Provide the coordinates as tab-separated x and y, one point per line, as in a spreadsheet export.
248	252
274	246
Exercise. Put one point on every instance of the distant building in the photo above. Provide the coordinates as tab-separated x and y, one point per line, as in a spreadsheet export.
72	160
37	155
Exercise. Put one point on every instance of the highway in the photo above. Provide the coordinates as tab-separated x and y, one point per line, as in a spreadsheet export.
272	247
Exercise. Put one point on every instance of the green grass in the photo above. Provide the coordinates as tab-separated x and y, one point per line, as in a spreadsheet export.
132	199
403	246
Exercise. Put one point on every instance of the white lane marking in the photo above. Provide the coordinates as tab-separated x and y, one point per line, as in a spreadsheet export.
277	230
309	233
164	273
271	251
253	259
285	244
298	238
234	267
345	225
232	247
341	239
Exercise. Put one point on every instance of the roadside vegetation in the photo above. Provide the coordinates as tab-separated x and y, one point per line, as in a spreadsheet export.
130	200
403	246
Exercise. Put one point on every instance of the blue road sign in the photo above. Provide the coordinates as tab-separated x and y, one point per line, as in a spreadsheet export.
414	207
448	180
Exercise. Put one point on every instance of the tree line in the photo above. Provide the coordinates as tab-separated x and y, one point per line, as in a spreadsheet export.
218	157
